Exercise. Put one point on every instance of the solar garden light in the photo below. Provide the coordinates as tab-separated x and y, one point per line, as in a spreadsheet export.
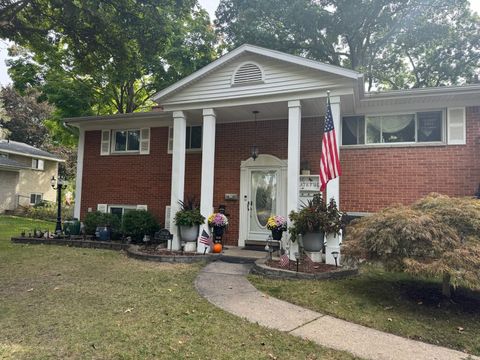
335	257
297	258
58	184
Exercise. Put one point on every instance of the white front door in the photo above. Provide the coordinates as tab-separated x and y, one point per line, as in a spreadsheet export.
263	189
263	201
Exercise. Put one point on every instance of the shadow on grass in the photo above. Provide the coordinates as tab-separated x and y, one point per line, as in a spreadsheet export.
401	288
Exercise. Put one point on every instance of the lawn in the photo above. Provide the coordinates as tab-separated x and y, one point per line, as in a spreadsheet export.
73	303
392	302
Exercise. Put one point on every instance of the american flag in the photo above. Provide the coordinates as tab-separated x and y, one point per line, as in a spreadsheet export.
284	261
205	238
330	162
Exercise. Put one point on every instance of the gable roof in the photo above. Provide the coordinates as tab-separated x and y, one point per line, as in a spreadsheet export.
247	48
19	148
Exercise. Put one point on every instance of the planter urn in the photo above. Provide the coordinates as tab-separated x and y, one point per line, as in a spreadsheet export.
189	233
313	242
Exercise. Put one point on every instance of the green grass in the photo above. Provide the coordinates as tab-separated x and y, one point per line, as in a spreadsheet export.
391	302
73	303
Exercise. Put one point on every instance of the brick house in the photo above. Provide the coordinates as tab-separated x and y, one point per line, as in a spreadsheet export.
395	146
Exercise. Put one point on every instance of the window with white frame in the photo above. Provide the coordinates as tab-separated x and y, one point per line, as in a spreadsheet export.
419	127
35	198
126	140
120	210
38	164
193	138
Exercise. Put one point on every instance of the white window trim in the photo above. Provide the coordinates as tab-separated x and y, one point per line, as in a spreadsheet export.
38	162
188	150
36	194
397	144
114	141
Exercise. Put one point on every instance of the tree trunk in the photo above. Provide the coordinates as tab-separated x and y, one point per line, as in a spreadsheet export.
446	288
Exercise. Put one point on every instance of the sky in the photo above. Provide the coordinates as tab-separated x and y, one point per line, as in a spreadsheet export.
209	5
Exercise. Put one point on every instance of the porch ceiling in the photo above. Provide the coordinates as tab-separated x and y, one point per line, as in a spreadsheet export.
269	111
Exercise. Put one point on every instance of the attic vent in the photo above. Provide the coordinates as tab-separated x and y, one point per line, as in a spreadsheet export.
247	73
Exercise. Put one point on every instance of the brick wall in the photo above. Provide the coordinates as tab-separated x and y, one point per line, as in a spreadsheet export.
374	178
146	179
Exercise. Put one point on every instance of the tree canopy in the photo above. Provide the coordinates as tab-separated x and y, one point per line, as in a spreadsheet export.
396	44
117	54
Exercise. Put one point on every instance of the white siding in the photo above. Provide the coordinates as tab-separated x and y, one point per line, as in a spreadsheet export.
280	77
8	181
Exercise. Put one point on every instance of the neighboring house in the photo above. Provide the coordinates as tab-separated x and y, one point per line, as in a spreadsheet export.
395	146
25	174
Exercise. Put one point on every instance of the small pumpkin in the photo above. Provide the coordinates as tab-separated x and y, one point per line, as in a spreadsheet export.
217	248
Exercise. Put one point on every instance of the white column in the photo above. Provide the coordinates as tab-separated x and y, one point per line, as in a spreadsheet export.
294	134
178	171
333	187
208	166
78	181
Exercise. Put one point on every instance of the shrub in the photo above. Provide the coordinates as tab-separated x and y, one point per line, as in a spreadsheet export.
437	236
46	210
138	223
94	219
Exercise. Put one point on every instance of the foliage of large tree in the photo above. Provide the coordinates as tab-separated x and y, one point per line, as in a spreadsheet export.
23	116
437	236
397	44
25	119
117	52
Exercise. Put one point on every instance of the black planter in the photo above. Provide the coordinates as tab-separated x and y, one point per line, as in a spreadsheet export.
277	234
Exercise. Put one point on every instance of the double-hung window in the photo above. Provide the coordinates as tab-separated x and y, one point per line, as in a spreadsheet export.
126	141
38	164
193	138
35	199
420	127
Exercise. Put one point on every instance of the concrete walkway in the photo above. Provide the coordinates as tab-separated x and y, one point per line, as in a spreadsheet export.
225	285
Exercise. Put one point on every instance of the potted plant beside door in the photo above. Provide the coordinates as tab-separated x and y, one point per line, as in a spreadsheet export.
314	220
188	220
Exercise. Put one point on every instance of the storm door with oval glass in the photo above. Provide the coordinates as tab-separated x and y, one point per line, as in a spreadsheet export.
263	201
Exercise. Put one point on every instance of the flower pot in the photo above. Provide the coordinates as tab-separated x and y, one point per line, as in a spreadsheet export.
277	234
218	231
313	242
102	233
189	233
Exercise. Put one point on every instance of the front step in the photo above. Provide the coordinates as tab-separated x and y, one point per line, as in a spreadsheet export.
237	255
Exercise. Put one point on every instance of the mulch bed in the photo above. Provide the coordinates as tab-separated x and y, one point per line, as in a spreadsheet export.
303	266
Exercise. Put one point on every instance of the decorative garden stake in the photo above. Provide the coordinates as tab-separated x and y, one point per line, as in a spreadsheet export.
297	258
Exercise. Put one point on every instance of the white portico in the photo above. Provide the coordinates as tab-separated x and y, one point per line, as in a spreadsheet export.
280	87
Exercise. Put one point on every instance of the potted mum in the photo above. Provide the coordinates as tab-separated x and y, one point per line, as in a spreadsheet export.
314	220
188	220
218	222
277	224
